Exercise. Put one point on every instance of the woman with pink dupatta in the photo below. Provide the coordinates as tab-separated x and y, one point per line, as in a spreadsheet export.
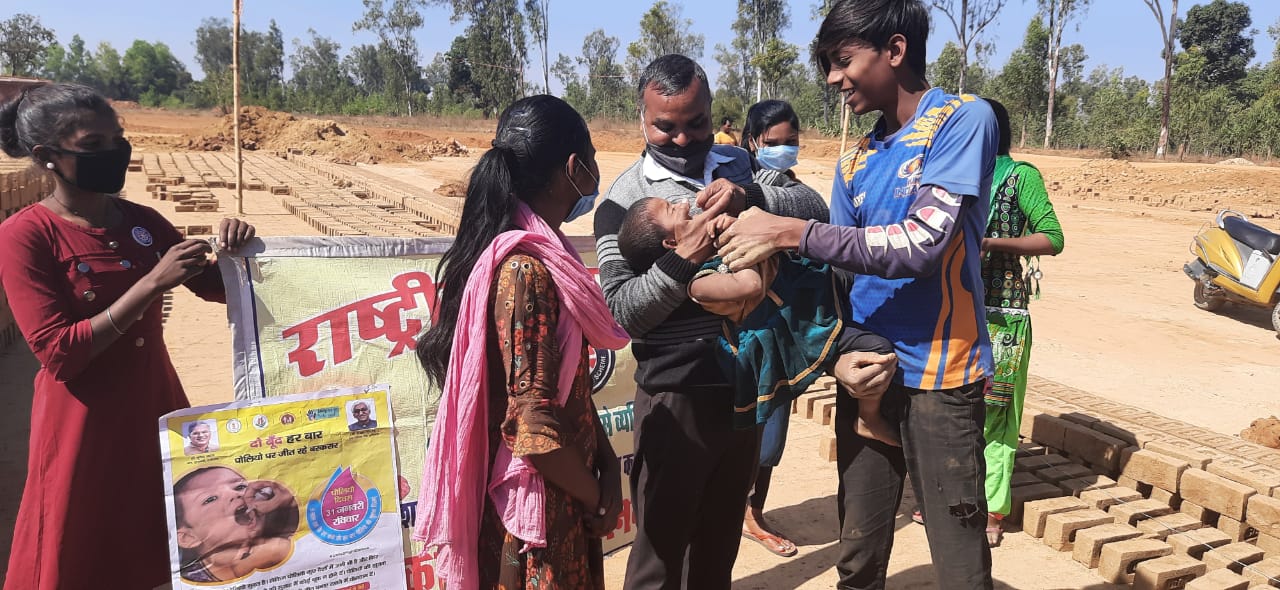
520	482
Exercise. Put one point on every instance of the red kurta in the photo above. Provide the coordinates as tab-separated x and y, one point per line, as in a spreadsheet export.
92	513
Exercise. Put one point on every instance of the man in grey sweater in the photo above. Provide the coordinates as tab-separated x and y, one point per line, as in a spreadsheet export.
692	470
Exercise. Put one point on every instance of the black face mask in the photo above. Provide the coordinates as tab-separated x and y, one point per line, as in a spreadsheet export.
685	161
99	172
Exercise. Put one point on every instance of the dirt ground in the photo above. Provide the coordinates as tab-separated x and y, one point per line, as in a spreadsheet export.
1115	319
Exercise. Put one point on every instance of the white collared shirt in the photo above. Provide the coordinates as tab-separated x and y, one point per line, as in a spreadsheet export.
653	171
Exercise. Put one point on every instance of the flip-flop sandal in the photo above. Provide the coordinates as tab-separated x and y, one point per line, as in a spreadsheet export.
994	535
772	543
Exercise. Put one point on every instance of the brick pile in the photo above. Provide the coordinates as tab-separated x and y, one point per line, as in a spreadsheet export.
1169	504
335	200
20	186
1145	500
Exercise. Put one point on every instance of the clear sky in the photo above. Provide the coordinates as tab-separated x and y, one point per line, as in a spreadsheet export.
1114	33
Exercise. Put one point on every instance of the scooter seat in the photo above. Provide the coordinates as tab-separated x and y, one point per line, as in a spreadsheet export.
1251	234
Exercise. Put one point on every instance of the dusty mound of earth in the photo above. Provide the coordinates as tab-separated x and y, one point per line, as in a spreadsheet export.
453	188
1236	162
1253	190
263	129
1102	171
1263	431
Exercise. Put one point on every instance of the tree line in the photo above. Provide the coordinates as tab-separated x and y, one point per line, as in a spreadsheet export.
1210	101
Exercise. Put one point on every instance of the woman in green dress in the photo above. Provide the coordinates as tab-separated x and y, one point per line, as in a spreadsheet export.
1022	224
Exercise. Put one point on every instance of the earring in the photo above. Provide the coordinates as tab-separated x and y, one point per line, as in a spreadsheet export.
48	165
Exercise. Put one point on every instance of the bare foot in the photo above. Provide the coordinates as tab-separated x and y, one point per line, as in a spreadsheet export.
874	427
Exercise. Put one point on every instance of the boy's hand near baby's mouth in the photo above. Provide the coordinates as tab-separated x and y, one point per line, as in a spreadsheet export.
718	226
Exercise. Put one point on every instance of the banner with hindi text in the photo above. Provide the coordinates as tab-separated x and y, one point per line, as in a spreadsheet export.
310	313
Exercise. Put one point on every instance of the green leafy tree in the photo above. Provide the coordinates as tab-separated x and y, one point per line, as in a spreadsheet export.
735	70
107	72
213	55
70	64
262	66
463	87
575	91
319	83
951	67
772	63
759	29
595	83
496	49
1022	84
1263	121
606	82
1069	115
663	30
23	41
213	45
152	73
76	65
1199	112
537	12
969	18
395	25
54	63
1168	35
364	64
1059	12
1219	30
1118	112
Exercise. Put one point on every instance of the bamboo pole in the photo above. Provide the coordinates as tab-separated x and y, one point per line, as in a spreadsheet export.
235	106
844	127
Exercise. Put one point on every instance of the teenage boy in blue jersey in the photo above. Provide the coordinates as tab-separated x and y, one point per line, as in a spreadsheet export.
908	211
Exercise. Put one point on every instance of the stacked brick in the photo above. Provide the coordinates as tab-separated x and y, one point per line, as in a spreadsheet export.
1144	500
20	186
1161	504
443	213
335	200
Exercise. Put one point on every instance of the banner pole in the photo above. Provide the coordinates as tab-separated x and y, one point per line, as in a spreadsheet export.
844	127
235	102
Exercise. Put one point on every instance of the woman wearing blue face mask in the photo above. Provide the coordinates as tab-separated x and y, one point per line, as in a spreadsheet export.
772	135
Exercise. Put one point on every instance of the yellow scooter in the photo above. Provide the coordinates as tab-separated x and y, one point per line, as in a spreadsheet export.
1237	261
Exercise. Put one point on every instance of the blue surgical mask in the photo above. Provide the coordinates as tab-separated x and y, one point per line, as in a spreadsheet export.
778	157
585	202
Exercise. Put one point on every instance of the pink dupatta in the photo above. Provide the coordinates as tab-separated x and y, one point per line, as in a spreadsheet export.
451	497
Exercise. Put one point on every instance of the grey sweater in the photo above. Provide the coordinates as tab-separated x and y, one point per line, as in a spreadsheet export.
673	337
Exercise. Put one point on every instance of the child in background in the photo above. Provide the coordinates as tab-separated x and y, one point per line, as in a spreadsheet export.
788	318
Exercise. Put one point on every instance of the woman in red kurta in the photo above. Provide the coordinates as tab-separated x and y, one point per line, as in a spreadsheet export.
83	271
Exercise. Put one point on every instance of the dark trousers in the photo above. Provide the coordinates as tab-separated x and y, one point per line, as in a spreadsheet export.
689	484
942	450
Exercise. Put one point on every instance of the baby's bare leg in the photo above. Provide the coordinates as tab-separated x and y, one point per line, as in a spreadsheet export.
872	425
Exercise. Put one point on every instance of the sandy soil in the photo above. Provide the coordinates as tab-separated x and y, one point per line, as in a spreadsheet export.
1116	319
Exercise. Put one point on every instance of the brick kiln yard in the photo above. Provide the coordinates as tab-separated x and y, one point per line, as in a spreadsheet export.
1133	469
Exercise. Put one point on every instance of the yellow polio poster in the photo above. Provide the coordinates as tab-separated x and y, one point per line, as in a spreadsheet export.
298	492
